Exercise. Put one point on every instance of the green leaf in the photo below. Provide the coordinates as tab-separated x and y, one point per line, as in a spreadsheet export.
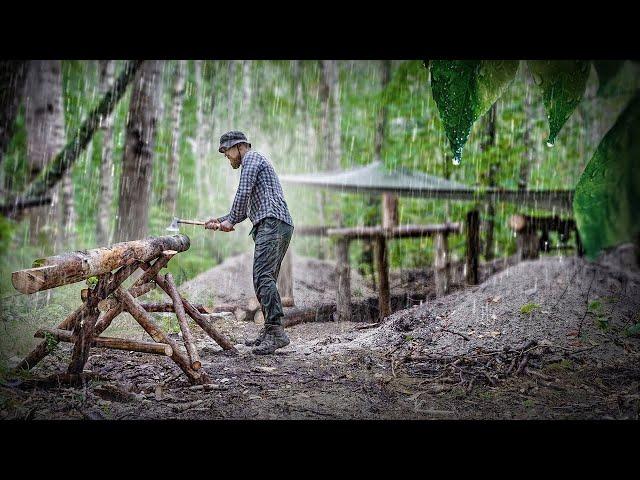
607	195
464	90
607	70
562	83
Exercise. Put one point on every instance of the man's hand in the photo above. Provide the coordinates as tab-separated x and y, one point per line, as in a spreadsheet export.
212	224
226	226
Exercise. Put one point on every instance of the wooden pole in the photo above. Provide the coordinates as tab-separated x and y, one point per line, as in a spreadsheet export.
106	319
137	291
189	342
85	327
146	322
197	317
389	210
473	246
381	255
168	307
109	342
285	278
344	280
441	264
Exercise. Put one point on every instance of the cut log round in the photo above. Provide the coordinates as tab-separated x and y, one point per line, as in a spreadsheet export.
74	267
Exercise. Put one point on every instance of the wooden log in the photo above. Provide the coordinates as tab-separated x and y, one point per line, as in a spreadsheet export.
285	277
441	264
529	223
106	319
187	336
146	322
473	246
382	265
41	351
84	329
343	269
110	342
168	307
137	291
200	319
400	231
389	210
73	267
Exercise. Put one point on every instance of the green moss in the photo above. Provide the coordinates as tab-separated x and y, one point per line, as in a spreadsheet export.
527	308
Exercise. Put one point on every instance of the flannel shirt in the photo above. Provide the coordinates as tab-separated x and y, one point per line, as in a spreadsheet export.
259	194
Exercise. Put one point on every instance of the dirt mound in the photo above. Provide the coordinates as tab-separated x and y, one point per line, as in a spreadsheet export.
565	302
232	282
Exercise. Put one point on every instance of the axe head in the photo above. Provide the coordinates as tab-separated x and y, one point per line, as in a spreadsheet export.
173	227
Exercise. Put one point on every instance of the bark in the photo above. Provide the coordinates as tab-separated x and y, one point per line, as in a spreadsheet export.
56	169
285	278
382	265
44	121
246	92
137	163
13	74
231	88
109	342
489	142
200	319
381	123
527	160
198	143
77	266
174	157
473	246
41	351
343	271
103	223
331	115
149	274
389	210
168	307
441	264
84	328
187	336
146	322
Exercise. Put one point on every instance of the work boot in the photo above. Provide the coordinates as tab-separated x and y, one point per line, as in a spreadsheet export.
274	338
256	341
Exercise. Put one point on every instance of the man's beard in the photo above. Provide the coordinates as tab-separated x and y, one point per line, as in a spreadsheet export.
235	164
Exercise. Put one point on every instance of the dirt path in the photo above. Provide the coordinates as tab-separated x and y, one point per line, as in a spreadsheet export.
506	349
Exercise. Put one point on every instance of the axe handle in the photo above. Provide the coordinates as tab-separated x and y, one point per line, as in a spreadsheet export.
192	222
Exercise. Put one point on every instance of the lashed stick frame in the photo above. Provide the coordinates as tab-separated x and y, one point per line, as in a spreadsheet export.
112	266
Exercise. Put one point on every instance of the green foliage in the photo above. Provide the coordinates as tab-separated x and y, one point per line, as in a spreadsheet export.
562	83
464	90
528	308
608	193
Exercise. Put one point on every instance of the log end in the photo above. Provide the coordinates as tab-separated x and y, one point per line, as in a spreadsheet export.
196	365
168	351
31	280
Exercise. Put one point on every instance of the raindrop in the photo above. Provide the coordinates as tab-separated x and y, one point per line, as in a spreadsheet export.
550	143
456	159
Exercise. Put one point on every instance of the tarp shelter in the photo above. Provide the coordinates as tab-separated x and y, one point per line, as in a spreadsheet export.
376	179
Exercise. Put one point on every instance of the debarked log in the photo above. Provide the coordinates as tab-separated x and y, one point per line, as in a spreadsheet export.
109	342
74	267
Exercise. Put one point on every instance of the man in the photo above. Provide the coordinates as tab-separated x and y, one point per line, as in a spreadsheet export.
260	197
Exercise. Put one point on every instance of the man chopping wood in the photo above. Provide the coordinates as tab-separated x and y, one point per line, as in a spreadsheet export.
259	196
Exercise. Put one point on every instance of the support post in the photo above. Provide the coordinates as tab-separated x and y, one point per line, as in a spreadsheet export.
189	342
285	278
343	301
473	246
382	264
441	264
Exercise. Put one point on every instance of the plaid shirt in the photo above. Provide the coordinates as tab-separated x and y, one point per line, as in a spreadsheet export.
259	193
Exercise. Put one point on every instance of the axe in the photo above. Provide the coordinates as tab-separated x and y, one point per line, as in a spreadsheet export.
173	227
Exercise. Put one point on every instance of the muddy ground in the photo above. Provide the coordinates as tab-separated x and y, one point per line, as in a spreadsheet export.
544	339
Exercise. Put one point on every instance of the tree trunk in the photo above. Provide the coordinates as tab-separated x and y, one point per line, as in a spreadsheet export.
285	277
13	74
246	93
527	160
103	230
489	142
198	143
231	89
44	120
473	246
135	183
441	264
381	123
174	157
56	169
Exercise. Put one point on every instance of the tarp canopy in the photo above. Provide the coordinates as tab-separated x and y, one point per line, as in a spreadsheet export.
376	179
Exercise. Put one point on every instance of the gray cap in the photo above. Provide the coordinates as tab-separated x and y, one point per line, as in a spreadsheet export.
232	138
